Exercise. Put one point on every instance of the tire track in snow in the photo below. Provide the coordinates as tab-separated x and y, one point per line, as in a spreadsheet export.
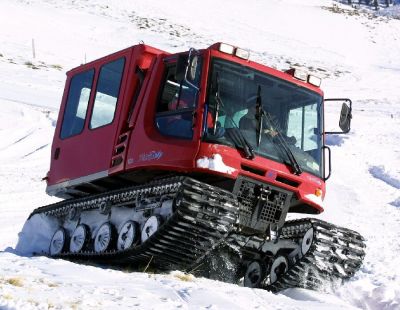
34	151
24	137
18	140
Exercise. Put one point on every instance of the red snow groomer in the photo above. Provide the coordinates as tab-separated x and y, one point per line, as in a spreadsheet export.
168	158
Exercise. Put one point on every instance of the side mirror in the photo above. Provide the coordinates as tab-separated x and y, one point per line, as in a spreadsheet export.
345	118
187	67
181	66
192	70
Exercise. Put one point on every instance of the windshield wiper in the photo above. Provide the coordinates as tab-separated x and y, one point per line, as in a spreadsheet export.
258	116
283	145
244	144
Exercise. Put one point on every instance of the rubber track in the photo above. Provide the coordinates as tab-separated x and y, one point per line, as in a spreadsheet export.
203	217
335	255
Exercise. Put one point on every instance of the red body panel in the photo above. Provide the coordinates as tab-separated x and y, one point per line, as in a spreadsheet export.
133	143
262	169
90	152
148	148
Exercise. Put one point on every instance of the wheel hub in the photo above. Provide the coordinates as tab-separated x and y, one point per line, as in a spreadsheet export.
278	268
79	238
57	242
128	235
150	227
307	241
103	238
255	274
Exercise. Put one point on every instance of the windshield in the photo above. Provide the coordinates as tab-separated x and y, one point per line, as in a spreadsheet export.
289	112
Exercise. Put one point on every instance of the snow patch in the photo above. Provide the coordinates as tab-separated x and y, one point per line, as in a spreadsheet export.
315	199
36	235
369	75
380	173
314	296
215	163
374	296
391	12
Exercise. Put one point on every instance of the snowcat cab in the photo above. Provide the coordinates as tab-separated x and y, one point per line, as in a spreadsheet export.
116	120
154	162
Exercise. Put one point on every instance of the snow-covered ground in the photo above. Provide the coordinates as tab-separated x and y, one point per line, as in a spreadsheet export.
356	53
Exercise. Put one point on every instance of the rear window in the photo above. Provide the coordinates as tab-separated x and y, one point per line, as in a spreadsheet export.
77	103
107	93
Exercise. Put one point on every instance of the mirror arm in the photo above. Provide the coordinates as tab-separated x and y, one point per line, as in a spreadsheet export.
335	133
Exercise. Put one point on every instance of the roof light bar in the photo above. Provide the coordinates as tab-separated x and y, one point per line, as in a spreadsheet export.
304	76
314	80
242	53
226	48
300	74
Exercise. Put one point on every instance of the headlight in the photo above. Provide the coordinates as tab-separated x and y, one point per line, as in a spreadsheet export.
241	53
300	74
226	48
314	80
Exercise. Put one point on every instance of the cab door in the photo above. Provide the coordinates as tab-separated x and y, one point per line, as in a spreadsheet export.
84	139
166	135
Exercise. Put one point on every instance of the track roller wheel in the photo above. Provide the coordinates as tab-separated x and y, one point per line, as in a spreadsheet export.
128	235
57	243
255	274
79	238
307	241
104	238
73	214
278	268
150	227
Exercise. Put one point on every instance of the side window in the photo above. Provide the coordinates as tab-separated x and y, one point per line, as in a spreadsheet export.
175	106
295	125
107	93
77	103
310	125
301	124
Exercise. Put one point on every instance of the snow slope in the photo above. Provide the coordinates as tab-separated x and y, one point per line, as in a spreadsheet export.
357	54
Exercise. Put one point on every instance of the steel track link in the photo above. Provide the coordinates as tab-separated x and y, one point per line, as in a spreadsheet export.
335	255
204	216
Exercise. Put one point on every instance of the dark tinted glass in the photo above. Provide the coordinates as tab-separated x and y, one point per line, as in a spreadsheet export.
77	102
293	111
176	104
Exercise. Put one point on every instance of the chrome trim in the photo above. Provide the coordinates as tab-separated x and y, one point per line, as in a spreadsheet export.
60	188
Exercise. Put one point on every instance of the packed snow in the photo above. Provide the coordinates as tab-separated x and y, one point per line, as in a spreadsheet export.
215	162
355	51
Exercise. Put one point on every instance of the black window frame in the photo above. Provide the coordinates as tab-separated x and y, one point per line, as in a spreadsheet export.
93	70
118	97
168	64
210	139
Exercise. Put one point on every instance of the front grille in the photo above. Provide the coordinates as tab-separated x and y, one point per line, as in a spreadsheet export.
247	201
262	206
